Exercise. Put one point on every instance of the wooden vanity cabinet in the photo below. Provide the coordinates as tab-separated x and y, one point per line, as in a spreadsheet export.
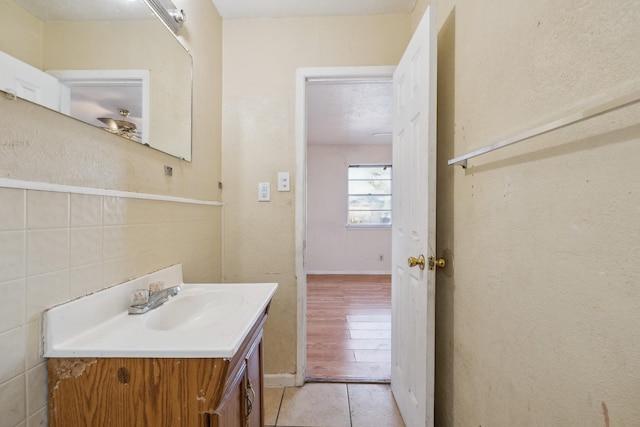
243	404
255	385
154	392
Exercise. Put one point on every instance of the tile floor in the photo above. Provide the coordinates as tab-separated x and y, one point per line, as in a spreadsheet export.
331	405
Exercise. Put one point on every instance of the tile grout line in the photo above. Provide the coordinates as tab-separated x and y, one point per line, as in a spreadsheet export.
349	406
275	423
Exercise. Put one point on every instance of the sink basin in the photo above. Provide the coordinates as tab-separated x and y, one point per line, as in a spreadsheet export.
193	310
202	320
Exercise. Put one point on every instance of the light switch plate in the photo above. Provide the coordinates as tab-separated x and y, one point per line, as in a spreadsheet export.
284	181
264	192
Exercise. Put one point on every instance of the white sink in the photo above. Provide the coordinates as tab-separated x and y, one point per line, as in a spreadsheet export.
195	307
203	320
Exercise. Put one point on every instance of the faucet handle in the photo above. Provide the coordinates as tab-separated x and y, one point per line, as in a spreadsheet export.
140	297
155	287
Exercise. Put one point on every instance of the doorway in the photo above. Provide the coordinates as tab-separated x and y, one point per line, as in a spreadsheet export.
413	230
337	273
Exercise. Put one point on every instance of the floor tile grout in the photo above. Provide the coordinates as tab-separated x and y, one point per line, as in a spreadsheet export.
349	406
279	407
302	407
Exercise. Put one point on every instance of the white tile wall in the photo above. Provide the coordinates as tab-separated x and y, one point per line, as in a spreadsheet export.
12	400
34	344
36	388
47	250
12	256
55	247
47	210
39	419
46	290
82	279
12	216
12	347
12	304
86	211
85	246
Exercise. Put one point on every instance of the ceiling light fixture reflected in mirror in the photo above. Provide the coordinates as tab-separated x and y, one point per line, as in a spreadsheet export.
169	14
121	127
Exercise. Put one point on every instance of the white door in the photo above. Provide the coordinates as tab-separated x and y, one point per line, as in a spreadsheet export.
28	82
413	234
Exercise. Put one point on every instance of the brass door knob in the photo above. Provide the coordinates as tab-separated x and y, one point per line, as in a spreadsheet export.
420	261
433	263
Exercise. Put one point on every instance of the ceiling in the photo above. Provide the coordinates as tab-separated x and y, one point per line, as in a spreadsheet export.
72	10
230	9
348	112
87	10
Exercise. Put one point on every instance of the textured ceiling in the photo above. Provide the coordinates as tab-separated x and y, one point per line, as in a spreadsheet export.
87	10
111	10
349	112
292	8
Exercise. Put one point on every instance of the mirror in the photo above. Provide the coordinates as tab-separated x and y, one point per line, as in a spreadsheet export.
112	64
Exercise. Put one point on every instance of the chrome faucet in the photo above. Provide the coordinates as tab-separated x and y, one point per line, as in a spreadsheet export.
156	299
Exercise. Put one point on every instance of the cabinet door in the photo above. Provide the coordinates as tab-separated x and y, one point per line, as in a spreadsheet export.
231	412
29	83
255	407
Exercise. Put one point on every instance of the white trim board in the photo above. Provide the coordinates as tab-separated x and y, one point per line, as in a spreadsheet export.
346	273
279	380
60	188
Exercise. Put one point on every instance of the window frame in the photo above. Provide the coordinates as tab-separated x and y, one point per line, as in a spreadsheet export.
350	225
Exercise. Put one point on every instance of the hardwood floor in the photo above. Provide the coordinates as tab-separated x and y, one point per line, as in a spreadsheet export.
349	328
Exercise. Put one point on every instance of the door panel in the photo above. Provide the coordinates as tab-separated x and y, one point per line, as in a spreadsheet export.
29	83
413	289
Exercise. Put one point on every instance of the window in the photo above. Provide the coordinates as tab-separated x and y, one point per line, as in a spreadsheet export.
369	201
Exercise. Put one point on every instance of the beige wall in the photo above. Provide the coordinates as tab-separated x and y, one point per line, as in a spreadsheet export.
21	34
259	62
132	45
144	170
537	312
56	246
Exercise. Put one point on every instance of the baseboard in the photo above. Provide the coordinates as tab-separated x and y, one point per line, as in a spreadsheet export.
279	380
368	272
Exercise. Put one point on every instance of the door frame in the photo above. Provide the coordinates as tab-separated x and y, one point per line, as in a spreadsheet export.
303	76
113	79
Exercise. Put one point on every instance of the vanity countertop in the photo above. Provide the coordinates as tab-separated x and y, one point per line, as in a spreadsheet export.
202	321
